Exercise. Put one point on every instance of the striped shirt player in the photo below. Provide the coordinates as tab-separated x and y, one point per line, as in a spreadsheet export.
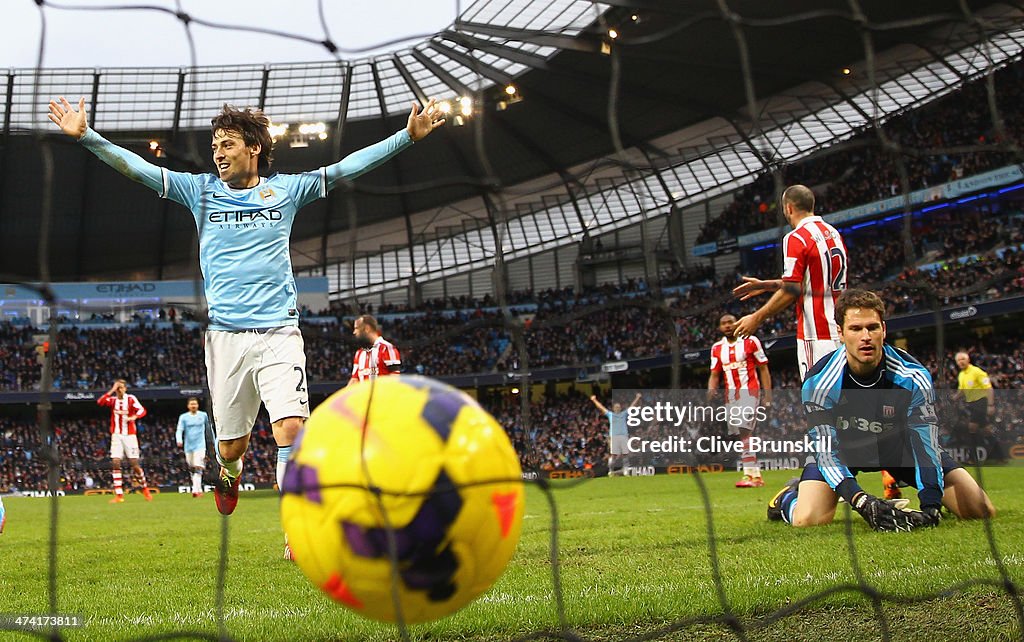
125	410
379	360
744	366
376	356
815	259
814	274
737	361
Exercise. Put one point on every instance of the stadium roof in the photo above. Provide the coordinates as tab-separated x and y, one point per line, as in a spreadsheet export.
673	64
149	98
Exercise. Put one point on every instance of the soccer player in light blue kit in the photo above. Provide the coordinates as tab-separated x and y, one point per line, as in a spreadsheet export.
191	435
618	434
254	350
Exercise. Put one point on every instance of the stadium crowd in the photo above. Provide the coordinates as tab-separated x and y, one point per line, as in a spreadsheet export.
860	172
975	256
564	432
563	327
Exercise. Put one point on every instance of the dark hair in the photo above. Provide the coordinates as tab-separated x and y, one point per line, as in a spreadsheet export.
800	196
370	323
855	298
252	125
191	399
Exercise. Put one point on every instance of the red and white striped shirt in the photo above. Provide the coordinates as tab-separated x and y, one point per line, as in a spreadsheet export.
816	259
376	361
120	410
738	360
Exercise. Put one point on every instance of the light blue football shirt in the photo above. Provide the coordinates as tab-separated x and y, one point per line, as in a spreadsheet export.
243	244
243	233
194	428
617	422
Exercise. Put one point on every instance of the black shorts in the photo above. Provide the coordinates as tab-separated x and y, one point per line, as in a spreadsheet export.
978	412
906	475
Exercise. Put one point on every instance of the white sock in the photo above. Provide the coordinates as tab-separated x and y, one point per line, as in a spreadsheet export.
755	468
117	483
234	466
197	481
751	467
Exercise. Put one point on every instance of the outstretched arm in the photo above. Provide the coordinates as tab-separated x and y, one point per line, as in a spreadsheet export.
419	126
783	298
75	123
599	405
752	287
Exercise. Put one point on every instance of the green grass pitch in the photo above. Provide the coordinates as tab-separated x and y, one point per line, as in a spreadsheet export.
634	558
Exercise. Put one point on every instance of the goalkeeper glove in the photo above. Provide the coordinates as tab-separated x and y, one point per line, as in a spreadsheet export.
880	514
925	518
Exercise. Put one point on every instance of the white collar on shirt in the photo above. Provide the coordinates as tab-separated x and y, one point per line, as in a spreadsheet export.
807	219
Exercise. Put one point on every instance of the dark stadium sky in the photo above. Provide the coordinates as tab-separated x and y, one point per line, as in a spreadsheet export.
156	39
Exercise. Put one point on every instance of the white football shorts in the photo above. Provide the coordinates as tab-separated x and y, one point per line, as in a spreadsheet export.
810	351
196	459
124	446
250	366
741	412
620	444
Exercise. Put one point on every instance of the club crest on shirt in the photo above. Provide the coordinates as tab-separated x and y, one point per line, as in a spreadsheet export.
267	193
888	411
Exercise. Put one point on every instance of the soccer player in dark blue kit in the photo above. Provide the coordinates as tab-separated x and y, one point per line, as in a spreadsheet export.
873	405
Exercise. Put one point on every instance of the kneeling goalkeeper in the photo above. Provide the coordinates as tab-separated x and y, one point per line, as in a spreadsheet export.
873	407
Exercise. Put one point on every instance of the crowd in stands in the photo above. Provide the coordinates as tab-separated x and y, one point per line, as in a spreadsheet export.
564	431
602	325
85	452
861	172
968	255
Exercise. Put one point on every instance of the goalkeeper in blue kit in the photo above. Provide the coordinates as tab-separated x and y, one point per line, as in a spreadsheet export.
872	407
